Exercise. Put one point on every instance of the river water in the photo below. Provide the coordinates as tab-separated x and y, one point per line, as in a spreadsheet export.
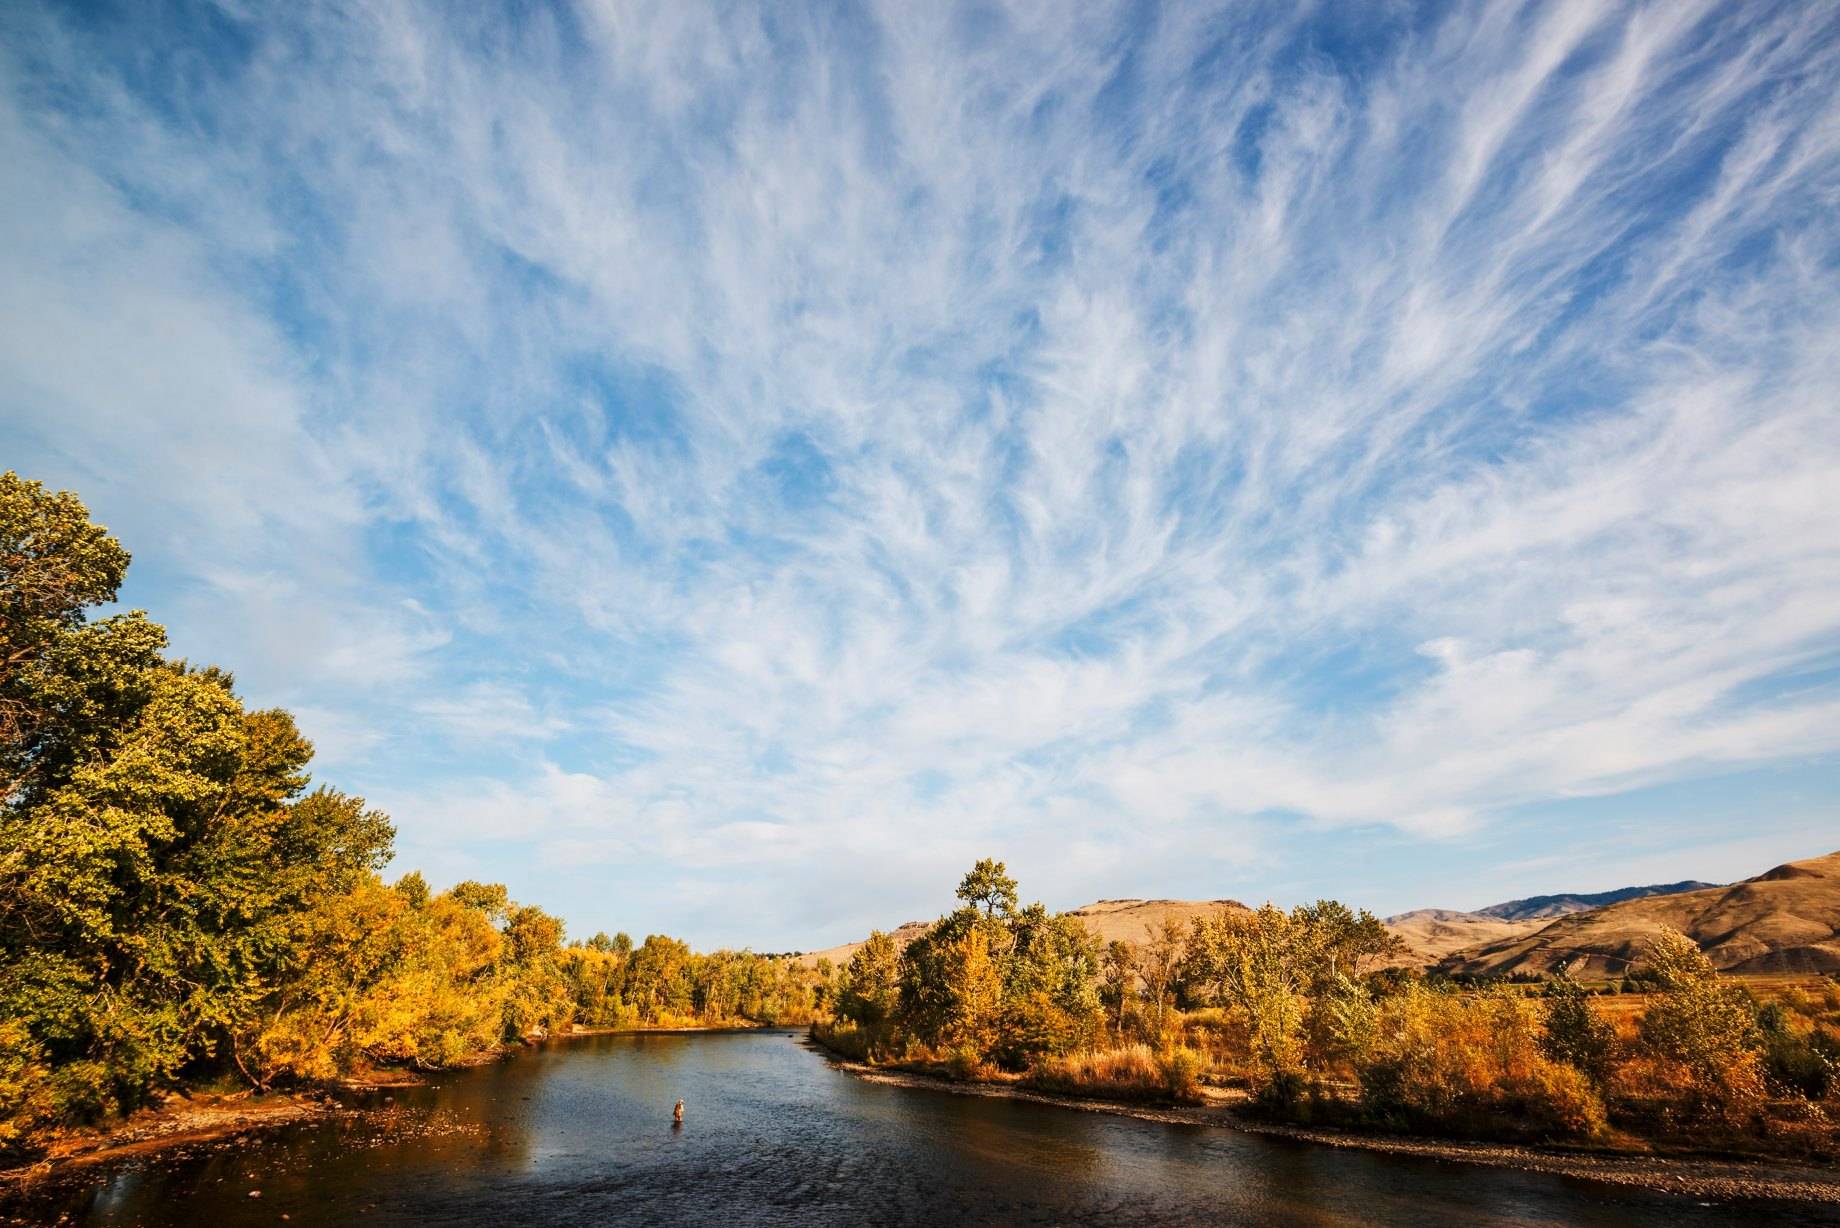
579	1132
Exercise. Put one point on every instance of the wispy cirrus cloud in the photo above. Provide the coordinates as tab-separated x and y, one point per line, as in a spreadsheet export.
759	461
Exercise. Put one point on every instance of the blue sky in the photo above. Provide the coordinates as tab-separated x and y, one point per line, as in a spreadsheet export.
720	470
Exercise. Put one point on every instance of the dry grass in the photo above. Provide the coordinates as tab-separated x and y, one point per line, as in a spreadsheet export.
1129	1072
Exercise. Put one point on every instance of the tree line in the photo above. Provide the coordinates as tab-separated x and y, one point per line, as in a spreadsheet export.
180	903
1309	1011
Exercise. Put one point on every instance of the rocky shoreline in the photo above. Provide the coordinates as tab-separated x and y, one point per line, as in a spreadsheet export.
1703	1179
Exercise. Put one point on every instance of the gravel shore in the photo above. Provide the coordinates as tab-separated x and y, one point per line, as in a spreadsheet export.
1701	1179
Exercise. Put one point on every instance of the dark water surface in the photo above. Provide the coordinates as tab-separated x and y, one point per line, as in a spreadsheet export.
579	1132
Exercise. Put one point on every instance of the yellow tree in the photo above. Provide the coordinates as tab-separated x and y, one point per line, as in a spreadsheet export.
976	986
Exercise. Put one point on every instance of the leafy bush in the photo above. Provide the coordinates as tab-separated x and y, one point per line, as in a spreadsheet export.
1805	1062
842	1036
1471	1064
1181	1068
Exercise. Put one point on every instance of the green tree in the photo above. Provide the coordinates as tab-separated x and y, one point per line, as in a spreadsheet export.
55	564
1344	941
158	849
1159	967
988	886
995	982
1574	1032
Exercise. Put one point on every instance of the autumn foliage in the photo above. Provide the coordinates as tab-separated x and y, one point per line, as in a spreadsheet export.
1298	1008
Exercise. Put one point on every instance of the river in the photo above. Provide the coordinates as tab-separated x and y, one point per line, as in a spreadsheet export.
579	1132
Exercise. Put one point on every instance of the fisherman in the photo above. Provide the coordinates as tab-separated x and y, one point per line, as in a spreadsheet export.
677	1114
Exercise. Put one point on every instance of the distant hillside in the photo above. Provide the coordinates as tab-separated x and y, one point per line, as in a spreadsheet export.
1548	906
1132	919
902	935
1780	921
1784	920
1431	934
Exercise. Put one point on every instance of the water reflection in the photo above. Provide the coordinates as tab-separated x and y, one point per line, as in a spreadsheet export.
581	1133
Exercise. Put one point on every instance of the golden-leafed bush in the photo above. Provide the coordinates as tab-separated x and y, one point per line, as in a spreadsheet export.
1470	1064
1182	1069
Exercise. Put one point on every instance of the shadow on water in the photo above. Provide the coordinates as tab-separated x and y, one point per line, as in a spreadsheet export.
580	1132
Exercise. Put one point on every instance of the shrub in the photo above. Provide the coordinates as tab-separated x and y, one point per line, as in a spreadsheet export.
1181	1068
967	1063
29	1099
1803	1062
1471	1064
841	1036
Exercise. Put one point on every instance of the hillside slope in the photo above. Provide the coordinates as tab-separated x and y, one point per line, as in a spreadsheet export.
1784	920
1432	934
1132	920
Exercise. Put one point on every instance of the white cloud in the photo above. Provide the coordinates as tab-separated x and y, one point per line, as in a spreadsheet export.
1398	442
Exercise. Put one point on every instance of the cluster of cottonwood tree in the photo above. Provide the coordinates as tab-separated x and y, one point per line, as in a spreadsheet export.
991	982
177	903
1306	1008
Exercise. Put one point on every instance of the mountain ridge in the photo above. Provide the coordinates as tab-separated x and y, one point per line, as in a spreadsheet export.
1786	919
1537	906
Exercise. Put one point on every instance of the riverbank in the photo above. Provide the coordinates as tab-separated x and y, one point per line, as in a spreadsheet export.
714	1029
1703	1179
180	1120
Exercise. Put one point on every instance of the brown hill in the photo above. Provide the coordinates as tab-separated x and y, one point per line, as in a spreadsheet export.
1784	920
1132	920
1431	934
839	956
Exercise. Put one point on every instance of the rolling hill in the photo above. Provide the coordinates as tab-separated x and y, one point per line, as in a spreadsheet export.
1431	934
1784	920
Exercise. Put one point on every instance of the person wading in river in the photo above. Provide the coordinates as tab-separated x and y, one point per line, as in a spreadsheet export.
677	1114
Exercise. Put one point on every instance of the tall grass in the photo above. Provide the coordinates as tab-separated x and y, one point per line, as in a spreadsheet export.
1128	1072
